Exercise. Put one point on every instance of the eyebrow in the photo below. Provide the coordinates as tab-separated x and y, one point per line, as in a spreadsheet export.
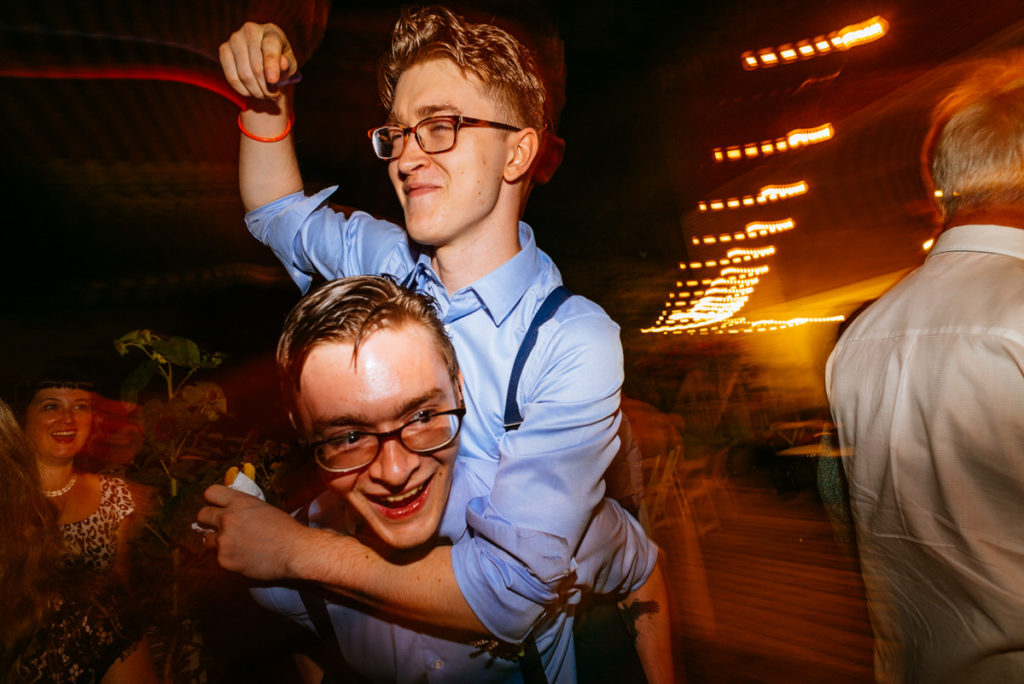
427	111
321	424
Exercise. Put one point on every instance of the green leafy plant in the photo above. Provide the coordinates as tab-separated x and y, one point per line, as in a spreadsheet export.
185	449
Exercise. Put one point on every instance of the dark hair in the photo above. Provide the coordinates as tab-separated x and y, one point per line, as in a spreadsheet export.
50	377
349	310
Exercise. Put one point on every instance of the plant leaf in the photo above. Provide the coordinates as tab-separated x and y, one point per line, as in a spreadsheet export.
137	380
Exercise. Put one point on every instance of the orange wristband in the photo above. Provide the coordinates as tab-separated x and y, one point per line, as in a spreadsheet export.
287	130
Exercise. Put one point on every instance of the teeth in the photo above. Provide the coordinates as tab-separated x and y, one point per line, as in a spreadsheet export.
64	434
401	498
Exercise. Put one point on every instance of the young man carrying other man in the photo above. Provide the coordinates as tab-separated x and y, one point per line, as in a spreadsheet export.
465	124
375	390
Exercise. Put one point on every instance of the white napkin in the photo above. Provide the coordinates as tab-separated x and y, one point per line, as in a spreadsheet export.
243	483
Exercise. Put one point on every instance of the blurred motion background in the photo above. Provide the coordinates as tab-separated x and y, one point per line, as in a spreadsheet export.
122	212
121	208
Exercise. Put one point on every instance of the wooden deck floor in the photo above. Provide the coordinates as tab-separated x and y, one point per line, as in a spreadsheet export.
767	596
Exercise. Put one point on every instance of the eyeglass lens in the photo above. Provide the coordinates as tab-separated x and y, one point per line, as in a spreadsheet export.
354	449
433	135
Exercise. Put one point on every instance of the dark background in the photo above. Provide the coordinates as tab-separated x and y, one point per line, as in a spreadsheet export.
120	196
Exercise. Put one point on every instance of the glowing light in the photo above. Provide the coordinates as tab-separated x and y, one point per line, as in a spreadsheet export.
938	193
737	325
809	136
798	137
769	193
928	244
845	38
763	228
864	32
758	253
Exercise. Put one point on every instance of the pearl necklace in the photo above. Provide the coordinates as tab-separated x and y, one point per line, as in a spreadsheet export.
54	493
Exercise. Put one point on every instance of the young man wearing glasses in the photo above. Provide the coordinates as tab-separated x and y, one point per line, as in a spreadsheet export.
465	126
374	387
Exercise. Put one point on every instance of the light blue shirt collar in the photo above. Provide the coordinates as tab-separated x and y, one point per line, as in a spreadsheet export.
500	290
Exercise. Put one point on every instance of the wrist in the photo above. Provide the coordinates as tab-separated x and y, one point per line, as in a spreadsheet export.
266	129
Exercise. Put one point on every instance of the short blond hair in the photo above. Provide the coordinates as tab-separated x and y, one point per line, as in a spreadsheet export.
505	67
974	150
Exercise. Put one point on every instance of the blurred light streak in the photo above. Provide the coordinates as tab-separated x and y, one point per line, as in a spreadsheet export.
769	193
738	325
845	38
214	82
752	230
928	244
795	139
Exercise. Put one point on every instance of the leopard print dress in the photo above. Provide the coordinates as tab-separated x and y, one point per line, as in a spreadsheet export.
92	542
89	626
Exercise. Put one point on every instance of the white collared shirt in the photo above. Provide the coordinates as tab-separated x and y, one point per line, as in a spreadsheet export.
927	389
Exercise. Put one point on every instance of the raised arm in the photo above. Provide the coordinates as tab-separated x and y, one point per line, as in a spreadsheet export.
255	59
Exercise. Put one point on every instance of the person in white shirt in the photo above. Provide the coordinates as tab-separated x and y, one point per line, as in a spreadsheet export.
927	390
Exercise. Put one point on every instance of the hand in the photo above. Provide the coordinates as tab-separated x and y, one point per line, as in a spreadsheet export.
255	58
252	538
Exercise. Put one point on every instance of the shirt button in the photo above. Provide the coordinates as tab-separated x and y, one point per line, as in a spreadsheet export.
437	664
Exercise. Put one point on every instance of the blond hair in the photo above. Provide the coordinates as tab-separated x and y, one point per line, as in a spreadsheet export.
506	68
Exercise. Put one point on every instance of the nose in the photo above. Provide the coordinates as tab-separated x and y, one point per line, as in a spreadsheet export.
412	156
395	464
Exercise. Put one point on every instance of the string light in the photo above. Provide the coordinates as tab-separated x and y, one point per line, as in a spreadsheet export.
769	193
845	38
752	230
795	139
740	325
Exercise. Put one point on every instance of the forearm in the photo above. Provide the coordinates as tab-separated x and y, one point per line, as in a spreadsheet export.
267	170
424	590
648	609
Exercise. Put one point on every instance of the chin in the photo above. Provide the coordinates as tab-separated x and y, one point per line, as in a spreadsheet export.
403	538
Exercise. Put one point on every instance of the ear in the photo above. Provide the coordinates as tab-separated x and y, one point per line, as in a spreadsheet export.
522	151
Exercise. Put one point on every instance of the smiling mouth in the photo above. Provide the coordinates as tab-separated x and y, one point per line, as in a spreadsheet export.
64	435
405	504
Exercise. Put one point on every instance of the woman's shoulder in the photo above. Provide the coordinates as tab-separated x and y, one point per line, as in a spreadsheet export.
115	493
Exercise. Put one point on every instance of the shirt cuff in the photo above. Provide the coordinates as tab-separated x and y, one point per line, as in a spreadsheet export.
510	575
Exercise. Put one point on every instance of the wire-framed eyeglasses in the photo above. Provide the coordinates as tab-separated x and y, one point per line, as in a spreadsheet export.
434	134
354	450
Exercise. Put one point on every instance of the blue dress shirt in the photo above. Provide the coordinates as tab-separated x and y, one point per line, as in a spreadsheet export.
520	500
615	557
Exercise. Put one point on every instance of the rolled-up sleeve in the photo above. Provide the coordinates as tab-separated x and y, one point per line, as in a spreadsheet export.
518	557
310	237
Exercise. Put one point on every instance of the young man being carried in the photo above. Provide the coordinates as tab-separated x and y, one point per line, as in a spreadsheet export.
465	123
375	390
